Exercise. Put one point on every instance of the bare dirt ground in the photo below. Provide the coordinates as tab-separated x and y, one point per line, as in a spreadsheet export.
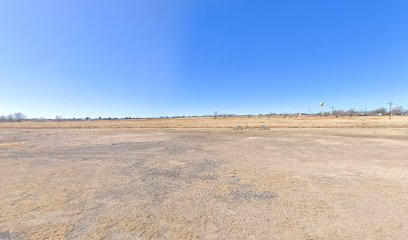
343	183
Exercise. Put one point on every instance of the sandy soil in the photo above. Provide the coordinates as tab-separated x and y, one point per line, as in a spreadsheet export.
344	183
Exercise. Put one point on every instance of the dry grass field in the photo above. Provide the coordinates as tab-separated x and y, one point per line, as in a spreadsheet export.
305	178
226	122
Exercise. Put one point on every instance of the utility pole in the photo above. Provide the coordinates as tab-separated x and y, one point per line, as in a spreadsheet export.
332	110
390	107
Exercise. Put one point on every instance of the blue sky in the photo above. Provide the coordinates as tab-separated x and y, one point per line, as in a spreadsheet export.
154	58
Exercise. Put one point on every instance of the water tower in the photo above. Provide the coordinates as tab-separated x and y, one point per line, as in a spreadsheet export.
321	108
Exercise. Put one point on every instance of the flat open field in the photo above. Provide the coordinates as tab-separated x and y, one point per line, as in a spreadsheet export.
95	182
227	122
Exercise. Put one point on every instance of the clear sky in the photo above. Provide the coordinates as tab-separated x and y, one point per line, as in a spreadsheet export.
153	58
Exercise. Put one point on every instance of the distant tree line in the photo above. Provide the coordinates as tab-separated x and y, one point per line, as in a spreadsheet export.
16	117
396	111
376	112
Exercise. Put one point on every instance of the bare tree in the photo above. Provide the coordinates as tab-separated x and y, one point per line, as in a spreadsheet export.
351	112
13	117
19	116
339	112
398	111
379	111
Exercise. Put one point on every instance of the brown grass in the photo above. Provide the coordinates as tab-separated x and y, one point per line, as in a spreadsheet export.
226	122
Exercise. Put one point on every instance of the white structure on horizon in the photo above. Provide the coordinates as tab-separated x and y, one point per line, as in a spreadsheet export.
321	108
